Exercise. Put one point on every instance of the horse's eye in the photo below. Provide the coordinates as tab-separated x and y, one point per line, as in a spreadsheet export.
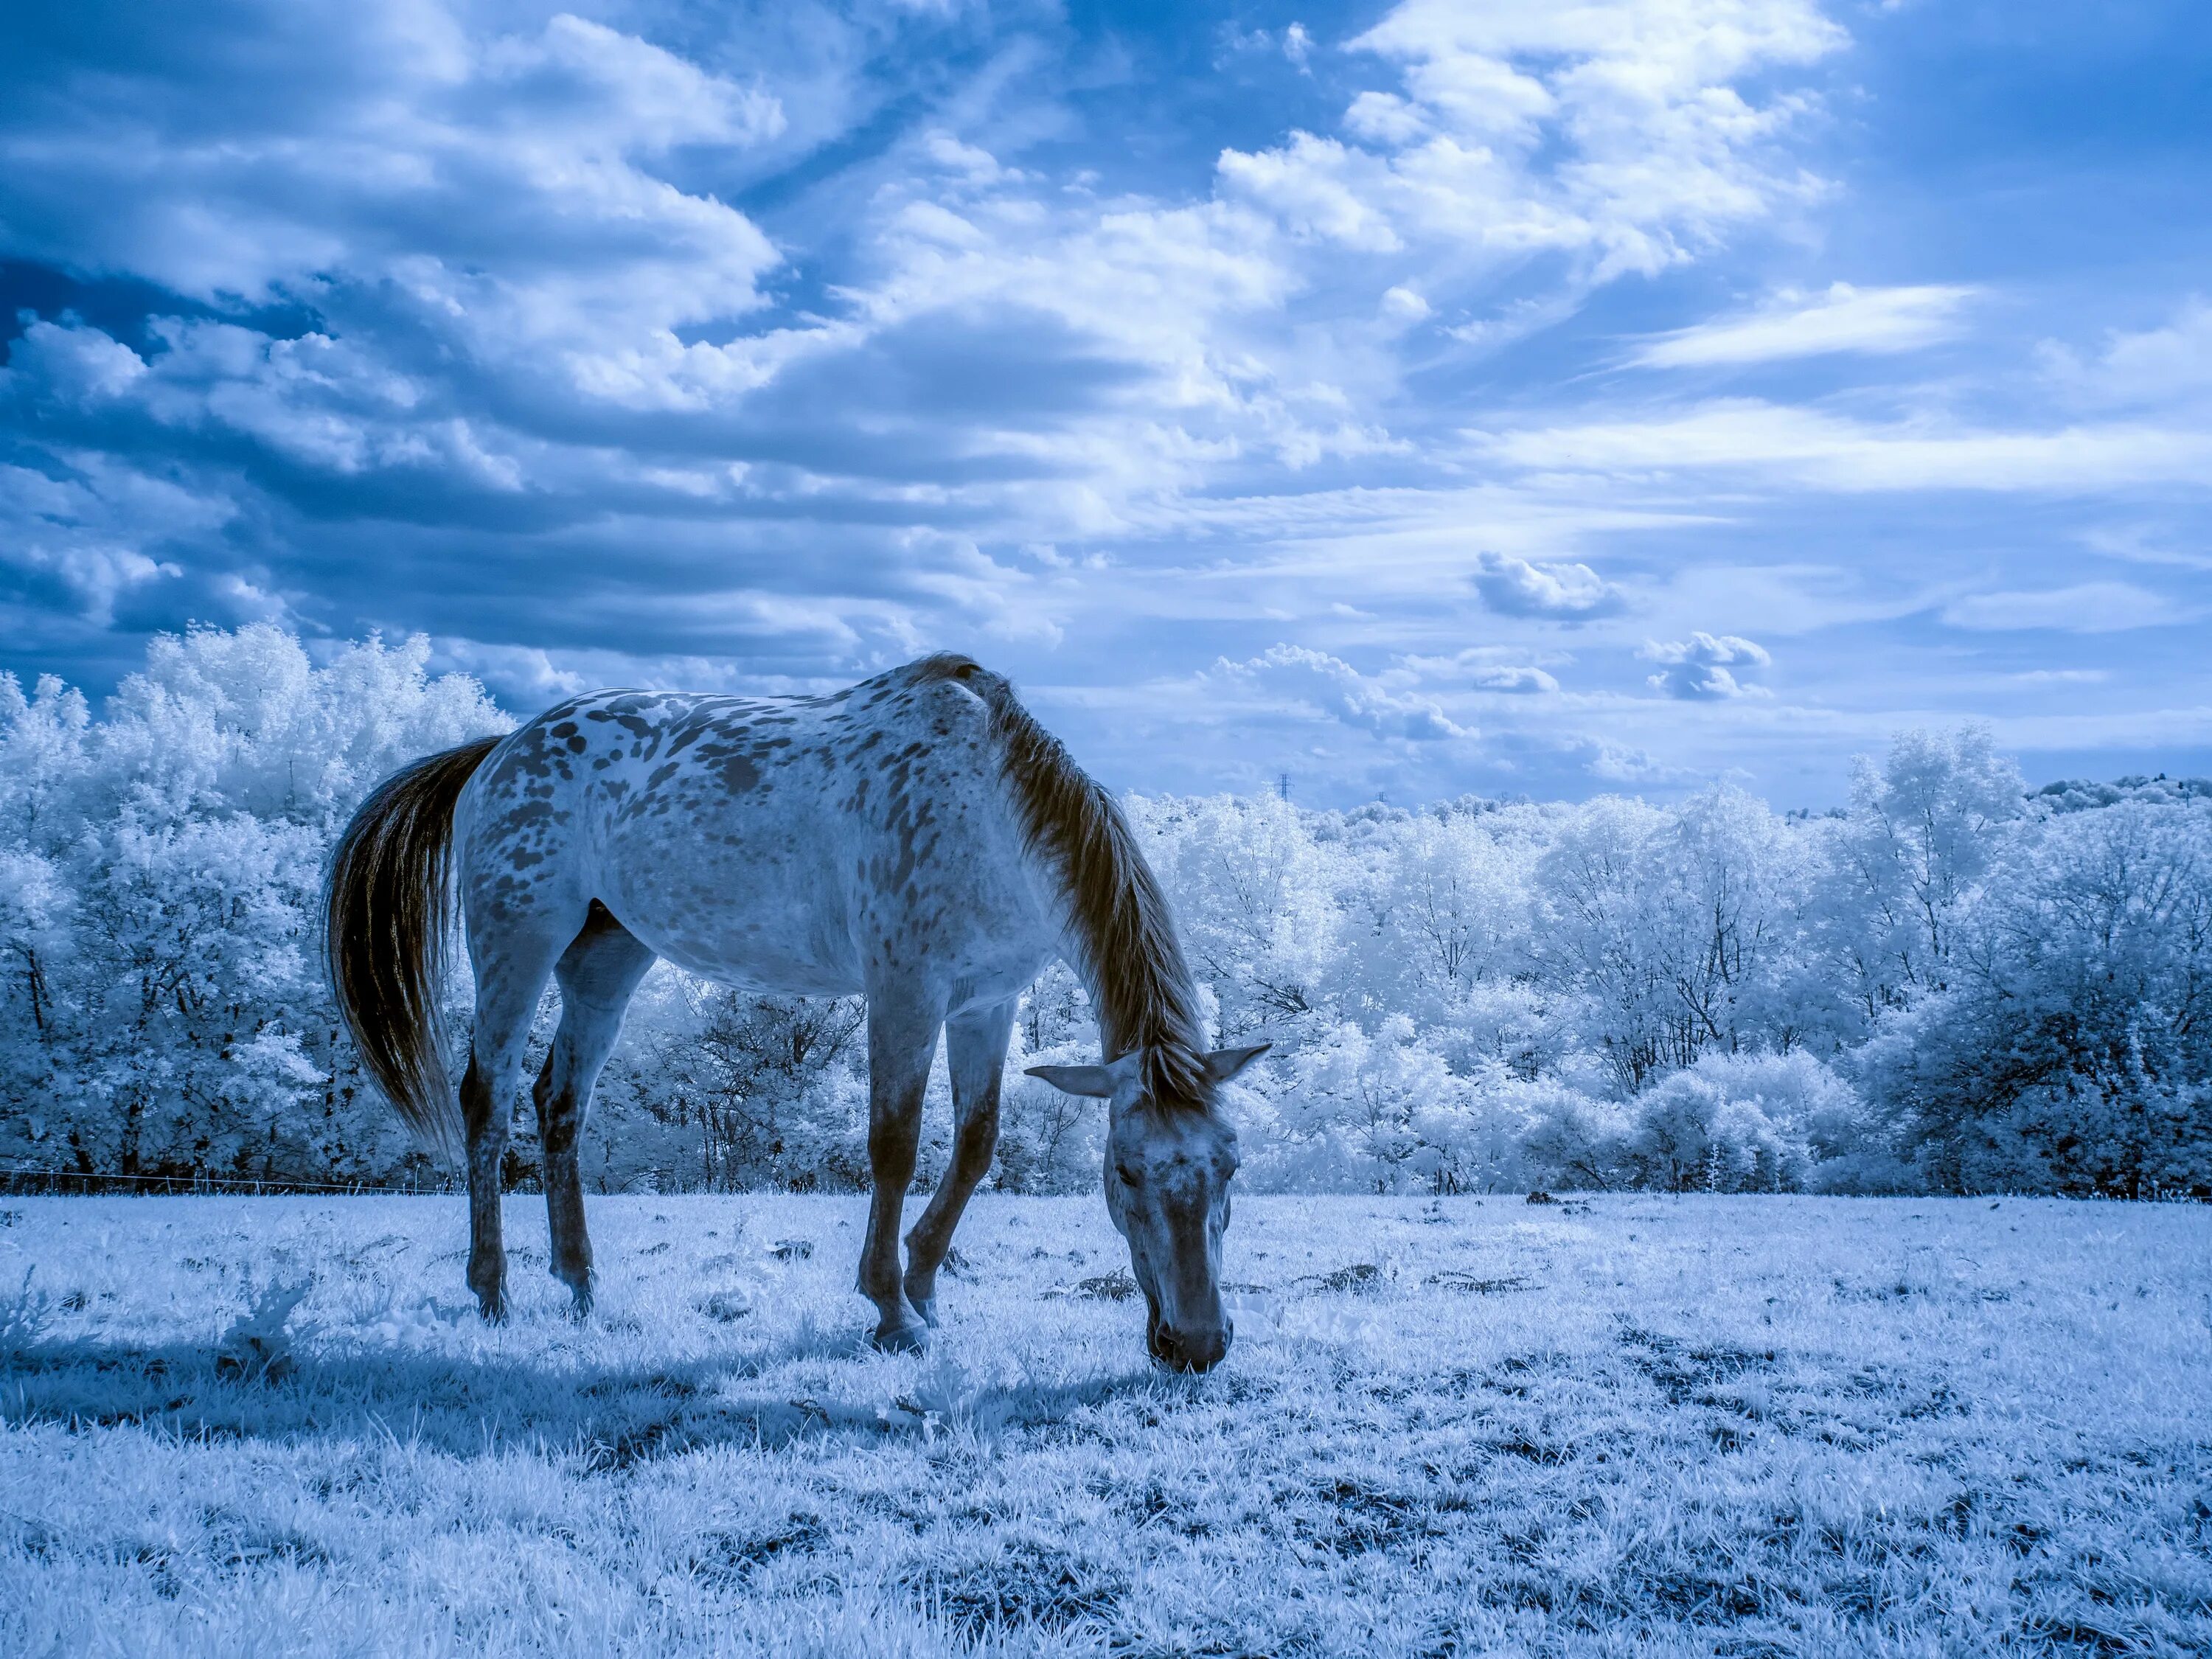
1128	1176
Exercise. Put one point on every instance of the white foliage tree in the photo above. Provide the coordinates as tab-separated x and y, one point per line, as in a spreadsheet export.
1943	985
2069	1048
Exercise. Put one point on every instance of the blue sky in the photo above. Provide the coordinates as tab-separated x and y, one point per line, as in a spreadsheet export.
1513	397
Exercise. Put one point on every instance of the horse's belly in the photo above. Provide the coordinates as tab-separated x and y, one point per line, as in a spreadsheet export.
766	918
761	965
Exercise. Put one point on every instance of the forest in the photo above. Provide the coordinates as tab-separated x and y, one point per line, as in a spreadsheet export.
1951	982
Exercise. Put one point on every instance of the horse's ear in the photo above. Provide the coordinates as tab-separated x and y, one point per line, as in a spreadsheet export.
1223	1064
1077	1079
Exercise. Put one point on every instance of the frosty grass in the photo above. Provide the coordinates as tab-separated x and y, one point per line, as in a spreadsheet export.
1631	1424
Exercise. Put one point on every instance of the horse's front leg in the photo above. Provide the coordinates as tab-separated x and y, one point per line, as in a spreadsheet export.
902	1041
976	1054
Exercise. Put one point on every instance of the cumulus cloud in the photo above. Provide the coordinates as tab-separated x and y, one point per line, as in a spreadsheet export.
1554	592
1618	763
1332	688
1844	318
1703	668
1664	149
83	538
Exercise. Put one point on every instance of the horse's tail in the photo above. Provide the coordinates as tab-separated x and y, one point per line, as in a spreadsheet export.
388	915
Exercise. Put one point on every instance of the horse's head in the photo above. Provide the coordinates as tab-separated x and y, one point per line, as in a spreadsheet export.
1168	1168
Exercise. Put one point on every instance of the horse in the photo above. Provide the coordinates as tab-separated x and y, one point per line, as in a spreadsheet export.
918	839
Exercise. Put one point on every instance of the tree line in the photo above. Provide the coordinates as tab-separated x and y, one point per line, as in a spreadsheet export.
1949	984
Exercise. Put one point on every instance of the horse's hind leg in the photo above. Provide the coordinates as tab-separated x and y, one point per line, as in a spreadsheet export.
512	955
597	973
976	1054
903	1025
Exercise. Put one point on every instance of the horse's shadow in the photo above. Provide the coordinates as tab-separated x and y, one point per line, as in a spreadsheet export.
610	1415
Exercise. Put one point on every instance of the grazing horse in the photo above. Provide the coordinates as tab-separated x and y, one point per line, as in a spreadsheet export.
918	839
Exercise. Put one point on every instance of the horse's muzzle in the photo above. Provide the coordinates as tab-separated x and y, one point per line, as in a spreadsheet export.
1192	1351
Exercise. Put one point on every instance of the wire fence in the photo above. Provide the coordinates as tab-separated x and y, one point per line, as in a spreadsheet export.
26	1180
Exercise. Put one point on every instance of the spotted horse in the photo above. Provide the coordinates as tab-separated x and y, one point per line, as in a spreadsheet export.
918	839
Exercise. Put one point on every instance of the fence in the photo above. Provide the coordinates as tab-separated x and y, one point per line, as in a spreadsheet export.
24	1180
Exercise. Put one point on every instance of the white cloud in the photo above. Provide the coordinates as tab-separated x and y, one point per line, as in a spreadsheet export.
1486	668
1401	304
1556	592
523	674
1385	118
1662	150
1823	451
2145	544
84	536
77	364
996	403
1503	676
2160	366
1704	667
2084	608
499	186
1844	318
538	205
1333	688
1618	764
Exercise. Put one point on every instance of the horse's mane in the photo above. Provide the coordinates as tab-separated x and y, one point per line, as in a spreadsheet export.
1133	960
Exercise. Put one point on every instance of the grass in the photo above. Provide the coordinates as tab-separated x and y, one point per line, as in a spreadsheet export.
1625	1424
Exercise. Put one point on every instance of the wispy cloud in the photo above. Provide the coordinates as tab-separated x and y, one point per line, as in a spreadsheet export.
1874	321
1485	668
2084	608
1811	447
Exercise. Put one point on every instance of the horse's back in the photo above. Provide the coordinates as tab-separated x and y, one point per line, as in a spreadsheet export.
800	844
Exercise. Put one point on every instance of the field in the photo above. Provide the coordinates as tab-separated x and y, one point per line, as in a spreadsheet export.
1634	1423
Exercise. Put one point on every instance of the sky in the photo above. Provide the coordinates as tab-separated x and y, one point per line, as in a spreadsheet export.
1516	396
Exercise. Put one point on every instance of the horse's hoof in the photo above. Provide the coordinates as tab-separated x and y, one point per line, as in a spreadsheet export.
492	1305
580	1305
927	1307
901	1339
